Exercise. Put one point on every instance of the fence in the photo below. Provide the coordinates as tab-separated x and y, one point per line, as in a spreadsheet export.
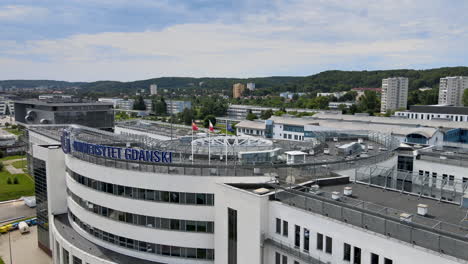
435	235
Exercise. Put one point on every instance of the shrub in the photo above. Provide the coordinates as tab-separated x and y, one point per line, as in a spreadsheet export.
9	181
1	166
2	154
15	180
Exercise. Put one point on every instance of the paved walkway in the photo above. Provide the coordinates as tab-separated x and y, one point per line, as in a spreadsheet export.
24	248
10	168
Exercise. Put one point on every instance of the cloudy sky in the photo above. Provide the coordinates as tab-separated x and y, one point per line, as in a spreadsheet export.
88	40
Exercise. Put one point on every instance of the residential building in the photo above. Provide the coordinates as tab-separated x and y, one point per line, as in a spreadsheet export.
7	107
336	105
451	90
290	95
126	104
239	112
237	90
148	104
335	94
394	93
109	198
114	101
251	86
96	114
153	89
175	106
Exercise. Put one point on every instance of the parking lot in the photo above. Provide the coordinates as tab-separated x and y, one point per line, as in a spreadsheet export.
24	248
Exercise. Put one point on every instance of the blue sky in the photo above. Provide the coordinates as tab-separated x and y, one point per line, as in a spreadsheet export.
88	40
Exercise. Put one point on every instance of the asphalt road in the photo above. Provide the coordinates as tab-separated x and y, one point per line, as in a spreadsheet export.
15	209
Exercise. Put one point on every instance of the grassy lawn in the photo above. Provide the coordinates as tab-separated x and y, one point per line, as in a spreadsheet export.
13	157
14	131
20	164
25	187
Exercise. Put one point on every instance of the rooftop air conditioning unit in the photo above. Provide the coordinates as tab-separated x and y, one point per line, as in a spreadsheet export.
348	191
335	196
422	209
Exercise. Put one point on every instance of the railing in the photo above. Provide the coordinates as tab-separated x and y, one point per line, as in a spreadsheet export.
435	235
302	170
291	250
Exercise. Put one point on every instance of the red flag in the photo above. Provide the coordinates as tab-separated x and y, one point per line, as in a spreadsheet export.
211	126
194	126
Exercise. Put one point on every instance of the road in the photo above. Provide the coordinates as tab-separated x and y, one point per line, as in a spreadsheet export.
24	248
15	209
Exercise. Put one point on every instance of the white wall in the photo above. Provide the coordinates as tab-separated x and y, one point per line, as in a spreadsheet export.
340	232
251	223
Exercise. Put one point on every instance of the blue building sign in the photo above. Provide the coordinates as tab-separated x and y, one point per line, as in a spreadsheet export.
131	154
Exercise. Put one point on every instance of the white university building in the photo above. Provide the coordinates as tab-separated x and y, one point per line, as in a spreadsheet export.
129	197
451	90
394	93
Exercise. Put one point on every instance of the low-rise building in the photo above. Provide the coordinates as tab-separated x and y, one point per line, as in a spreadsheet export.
176	106
435	112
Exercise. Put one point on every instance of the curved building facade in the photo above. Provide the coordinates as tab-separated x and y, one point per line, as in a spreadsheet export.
109	198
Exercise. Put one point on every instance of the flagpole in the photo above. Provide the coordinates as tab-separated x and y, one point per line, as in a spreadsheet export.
209	146
192	142
226	142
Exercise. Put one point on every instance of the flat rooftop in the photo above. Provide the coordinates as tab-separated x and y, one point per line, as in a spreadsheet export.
406	203
66	231
45	103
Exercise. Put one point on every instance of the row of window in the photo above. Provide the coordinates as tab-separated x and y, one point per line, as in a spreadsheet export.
282	259
323	243
295	137
143	220
158	249
144	194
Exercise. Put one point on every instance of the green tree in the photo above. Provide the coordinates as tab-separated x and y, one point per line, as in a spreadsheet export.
251	116
266	114
139	104
160	106
15	180
208	118
465	97
9	181
369	102
187	116
1	166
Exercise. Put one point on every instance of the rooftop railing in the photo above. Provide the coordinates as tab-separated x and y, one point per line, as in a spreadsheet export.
429	233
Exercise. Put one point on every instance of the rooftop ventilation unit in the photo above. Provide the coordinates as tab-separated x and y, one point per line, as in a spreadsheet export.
405	217
335	196
422	209
348	191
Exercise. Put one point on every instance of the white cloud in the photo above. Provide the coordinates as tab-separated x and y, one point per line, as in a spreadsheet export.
19	13
296	37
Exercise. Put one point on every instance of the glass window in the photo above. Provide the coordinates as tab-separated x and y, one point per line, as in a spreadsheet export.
201	198
150	221
285	259
165	223
65	256
174	197
374	258
277	258
357	255
190	198
319	241
201	253
191	253
388	261
347	252
164	196
150	195
77	260
191	226
285	228
278	226
328	245
175	224
297	236
306	239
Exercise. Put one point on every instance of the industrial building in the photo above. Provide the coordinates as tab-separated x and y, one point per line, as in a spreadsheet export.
129	197
96	114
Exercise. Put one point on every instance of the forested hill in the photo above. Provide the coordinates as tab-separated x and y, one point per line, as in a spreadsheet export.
322	82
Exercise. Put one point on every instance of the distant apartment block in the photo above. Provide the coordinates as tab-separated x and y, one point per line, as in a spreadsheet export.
290	95
251	86
237	90
175	107
153	89
451	90
394	93
126	104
